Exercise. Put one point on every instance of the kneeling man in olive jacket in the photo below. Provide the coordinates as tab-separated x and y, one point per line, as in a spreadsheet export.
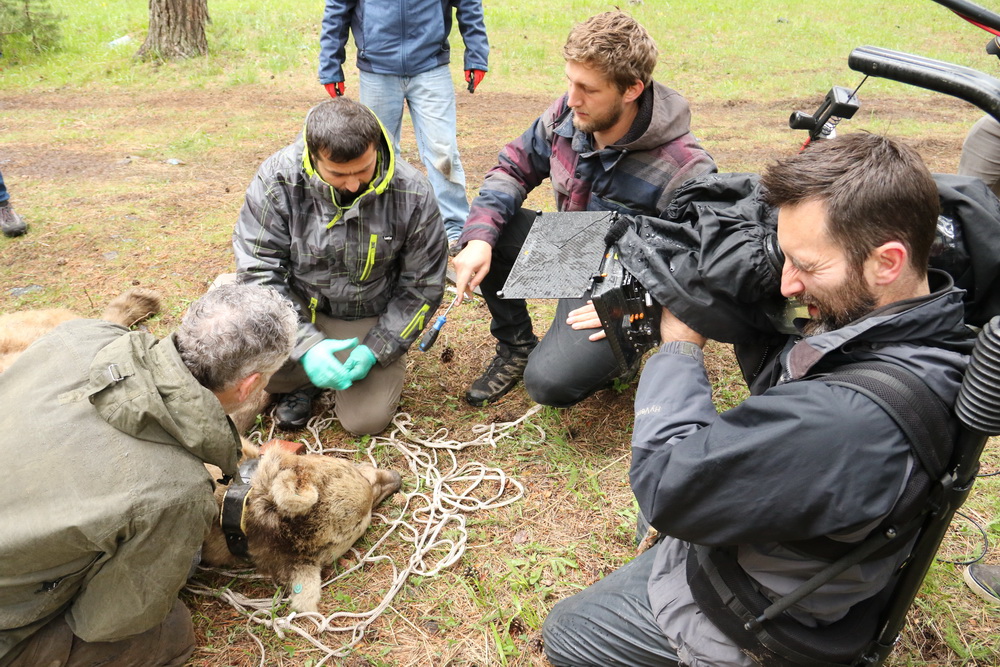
106	499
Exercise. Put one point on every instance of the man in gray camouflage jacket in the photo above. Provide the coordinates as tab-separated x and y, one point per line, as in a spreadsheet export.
353	236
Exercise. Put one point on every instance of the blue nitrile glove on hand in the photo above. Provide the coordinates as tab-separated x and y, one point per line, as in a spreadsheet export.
360	362
323	369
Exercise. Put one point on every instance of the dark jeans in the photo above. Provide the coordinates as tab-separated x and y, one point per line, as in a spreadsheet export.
4	196
609	623
565	367
169	644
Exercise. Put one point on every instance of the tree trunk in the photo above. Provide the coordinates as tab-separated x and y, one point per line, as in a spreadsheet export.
176	29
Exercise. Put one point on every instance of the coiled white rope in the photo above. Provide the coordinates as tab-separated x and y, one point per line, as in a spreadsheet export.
444	493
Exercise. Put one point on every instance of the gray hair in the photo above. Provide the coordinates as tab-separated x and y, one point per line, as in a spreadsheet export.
234	331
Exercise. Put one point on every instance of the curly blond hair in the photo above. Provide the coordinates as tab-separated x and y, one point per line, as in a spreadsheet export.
615	44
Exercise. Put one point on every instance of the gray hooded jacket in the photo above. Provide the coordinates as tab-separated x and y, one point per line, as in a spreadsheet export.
384	255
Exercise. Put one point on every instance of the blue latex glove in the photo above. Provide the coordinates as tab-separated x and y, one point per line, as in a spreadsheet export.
323	369
360	362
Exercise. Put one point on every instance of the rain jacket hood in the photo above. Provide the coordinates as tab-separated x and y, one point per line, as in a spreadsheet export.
384	170
157	399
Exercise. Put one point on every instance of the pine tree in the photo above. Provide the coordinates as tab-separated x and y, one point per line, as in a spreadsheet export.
30	22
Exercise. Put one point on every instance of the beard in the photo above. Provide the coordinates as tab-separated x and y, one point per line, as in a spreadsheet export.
345	197
602	122
840	306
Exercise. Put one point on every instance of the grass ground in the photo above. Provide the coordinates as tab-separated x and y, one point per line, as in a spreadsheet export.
133	173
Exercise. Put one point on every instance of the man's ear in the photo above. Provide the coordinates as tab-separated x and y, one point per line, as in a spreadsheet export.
887	262
247	386
633	92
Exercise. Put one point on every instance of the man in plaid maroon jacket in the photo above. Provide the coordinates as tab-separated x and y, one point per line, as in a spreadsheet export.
616	141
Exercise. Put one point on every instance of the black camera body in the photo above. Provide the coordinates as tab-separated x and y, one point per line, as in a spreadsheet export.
629	315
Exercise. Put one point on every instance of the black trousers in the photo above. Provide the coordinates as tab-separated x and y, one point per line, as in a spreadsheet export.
565	367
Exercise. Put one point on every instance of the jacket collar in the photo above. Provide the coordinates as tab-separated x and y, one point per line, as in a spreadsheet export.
384	171
935	319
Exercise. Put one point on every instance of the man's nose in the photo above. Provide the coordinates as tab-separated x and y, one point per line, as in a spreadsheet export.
572	98
791	285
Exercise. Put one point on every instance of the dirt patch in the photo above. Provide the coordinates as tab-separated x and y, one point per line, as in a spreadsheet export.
92	173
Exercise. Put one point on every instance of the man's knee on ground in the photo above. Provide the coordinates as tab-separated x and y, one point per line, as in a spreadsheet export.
550	388
363	423
557	635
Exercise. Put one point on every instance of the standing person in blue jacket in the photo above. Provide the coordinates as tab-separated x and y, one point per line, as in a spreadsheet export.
403	56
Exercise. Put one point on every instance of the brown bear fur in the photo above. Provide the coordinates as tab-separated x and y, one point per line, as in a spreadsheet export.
19	330
303	512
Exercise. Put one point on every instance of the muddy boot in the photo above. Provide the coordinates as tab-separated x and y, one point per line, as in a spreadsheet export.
295	408
11	223
502	375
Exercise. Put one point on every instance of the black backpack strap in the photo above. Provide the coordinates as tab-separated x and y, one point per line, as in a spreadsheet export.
925	421
727	595
920	414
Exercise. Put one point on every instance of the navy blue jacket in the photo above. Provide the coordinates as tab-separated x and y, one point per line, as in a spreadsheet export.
400	37
801	460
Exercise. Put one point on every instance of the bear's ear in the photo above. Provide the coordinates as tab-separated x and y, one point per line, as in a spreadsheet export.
291	496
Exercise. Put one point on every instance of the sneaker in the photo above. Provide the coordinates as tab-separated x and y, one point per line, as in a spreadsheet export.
984	580
502	375
10	222
295	409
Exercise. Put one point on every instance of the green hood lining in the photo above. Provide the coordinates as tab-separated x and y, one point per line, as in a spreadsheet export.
378	189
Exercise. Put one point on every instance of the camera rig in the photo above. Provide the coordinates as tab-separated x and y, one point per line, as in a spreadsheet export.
630	317
576	243
585	253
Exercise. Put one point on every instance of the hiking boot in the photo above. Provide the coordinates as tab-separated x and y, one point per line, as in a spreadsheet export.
11	223
984	580
295	409
502	375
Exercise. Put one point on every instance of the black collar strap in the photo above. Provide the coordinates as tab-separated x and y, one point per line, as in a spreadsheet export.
233	517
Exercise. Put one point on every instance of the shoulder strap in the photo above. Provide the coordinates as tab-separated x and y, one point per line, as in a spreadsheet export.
725	593
920	414
922	417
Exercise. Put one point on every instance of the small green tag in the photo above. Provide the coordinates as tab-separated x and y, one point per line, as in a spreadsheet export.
297	588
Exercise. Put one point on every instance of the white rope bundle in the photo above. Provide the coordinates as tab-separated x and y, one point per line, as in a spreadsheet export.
445	492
